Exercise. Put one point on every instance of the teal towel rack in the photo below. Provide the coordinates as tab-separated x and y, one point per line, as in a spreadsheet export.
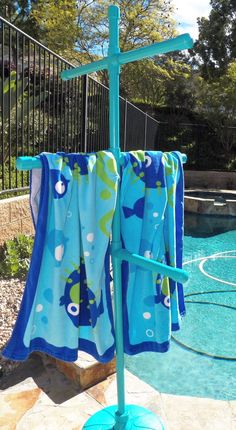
121	416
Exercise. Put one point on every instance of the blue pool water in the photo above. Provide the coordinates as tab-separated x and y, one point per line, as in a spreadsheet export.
202	358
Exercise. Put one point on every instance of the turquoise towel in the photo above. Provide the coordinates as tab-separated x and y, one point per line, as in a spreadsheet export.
66	304
151	226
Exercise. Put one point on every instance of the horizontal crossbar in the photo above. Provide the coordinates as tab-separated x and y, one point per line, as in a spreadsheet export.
178	275
184	41
28	163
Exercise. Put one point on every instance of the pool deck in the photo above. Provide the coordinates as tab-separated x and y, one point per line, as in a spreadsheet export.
37	396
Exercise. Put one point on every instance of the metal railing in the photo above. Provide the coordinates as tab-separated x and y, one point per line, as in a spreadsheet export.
207	148
40	112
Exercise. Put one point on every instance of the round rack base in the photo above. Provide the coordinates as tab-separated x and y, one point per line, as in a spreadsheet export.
136	417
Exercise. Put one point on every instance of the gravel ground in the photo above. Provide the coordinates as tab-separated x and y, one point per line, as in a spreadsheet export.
11	291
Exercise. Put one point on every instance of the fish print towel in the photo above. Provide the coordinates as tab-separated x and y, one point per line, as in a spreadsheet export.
151	226
66	304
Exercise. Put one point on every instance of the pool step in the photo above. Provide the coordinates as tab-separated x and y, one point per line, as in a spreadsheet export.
85	372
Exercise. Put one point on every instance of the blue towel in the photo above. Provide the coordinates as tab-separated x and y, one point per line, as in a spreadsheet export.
151	226
66	304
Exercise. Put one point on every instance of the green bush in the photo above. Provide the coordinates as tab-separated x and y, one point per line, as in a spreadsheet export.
15	257
231	166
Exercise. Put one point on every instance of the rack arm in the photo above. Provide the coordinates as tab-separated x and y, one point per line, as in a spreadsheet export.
28	163
184	41
84	70
178	275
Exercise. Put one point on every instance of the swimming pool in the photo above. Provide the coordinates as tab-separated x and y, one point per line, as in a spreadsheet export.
201	361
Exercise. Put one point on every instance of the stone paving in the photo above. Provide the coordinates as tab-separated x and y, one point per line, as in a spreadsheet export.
37	396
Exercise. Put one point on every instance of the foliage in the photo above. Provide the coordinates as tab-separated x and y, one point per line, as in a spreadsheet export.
179	87
16	94
15	256
231	165
216	100
141	22
79	32
14	90
20	14
57	22
216	45
143	80
203	84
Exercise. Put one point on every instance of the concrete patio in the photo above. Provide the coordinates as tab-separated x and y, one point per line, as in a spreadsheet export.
37	396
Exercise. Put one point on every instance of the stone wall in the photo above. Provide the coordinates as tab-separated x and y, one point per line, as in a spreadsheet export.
210	180
15	218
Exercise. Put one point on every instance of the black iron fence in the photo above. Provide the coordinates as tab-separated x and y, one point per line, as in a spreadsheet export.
207	147
40	112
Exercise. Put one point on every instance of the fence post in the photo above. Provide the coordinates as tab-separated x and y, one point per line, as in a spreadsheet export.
125	125
85	111
2	110
145	132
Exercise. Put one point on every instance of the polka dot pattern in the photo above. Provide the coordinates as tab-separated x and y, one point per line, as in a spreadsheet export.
90	237
39	308
147	315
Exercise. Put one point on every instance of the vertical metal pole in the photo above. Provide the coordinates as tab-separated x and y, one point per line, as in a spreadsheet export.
34	90
17	75
49	148
114	128
9	109
78	129
22	104
40	101
85	112
125	125
3	108
57	114
62	95
28	100
145	132
53	103
44	96
65	145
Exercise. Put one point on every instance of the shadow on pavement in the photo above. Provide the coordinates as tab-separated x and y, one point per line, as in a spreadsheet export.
45	375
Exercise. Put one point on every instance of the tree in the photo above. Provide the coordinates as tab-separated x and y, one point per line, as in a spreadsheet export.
216	45
57	23
216	100
141	22
79	32
19	13
179	85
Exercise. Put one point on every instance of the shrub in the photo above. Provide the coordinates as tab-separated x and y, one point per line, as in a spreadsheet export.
15	257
